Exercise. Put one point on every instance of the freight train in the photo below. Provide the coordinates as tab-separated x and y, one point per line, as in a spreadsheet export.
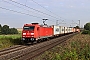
35	32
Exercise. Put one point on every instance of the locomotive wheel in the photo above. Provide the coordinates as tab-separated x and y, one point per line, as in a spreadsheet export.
23	43
48	39
32	43
38	41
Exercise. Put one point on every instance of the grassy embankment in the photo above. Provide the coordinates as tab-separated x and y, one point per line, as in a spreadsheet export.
10	40
76	48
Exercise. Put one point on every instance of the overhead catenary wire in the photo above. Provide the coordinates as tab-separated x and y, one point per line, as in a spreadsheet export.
22	12
19	12
32	8
73	22
19	7
45	8
23	8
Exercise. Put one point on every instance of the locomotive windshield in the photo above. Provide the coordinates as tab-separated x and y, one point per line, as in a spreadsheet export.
28	27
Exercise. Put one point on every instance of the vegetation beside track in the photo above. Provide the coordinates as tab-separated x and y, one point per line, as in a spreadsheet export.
9	40
76	48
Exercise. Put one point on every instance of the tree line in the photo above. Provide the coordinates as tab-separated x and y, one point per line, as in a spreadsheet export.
6	30
86	28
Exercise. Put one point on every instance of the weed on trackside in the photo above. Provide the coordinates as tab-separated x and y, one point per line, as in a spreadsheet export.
76	48
9	40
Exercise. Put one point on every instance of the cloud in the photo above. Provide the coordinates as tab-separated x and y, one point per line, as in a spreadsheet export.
71	6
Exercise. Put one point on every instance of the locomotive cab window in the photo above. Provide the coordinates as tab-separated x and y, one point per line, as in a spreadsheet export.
28	27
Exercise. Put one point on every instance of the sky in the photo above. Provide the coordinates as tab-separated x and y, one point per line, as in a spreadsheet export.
16	13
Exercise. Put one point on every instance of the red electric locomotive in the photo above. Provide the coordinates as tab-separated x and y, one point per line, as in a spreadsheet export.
34	32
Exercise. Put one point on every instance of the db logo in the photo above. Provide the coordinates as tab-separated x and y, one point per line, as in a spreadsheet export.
57	29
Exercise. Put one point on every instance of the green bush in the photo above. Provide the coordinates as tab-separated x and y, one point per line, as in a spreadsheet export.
87	26
86	32
6	30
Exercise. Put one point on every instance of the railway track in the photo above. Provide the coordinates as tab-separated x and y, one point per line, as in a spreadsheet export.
9	50
29	52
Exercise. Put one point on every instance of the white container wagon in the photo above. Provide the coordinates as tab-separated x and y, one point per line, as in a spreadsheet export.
56	30
62	29
71	29
66	30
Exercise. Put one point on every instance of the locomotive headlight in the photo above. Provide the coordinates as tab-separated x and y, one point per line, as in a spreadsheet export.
23	38
24	33
32	33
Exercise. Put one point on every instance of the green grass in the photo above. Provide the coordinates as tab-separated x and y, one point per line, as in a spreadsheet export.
76	48
9	40
10	36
